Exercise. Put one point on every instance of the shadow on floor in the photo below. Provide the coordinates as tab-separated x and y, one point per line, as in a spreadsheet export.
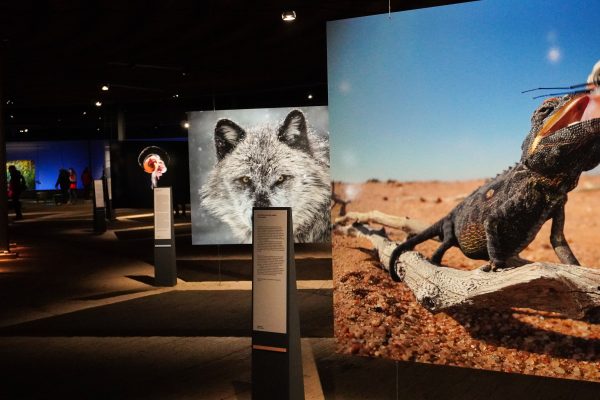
238	270
179	313
108	295
145	279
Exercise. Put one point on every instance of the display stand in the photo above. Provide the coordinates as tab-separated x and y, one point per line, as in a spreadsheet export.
276	354
110	212
165	267
99	207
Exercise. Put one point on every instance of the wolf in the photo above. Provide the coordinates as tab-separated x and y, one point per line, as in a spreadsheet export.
270	166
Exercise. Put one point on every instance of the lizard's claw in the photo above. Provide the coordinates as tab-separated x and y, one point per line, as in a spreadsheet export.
493	267
486	267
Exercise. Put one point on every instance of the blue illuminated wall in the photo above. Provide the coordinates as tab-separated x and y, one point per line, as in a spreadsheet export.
49	157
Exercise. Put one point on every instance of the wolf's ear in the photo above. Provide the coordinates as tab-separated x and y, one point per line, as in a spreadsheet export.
293	131
227	135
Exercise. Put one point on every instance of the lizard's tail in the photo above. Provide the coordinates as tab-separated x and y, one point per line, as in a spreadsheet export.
429	233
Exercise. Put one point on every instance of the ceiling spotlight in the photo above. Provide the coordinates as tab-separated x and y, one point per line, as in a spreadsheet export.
309	96
85	113
98	104
186	125
105	88
12	117
288	16
26	130
176	96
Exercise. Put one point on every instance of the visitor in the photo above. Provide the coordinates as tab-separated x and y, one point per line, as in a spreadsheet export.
86	181
16	186
63	182
72	186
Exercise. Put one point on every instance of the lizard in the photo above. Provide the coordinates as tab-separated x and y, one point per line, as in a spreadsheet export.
500	218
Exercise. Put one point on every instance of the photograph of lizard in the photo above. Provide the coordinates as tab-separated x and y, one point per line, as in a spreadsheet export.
437	258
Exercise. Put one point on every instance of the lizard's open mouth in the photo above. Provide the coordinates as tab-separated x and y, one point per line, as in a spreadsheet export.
578	109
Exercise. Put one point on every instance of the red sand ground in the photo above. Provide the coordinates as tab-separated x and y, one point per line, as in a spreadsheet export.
376	317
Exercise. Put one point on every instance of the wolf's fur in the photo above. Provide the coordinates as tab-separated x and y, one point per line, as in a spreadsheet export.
268	166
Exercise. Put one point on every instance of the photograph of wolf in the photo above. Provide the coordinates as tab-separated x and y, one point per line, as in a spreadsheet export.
276	157
465	144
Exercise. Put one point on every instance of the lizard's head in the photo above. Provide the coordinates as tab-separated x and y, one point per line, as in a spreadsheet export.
565	135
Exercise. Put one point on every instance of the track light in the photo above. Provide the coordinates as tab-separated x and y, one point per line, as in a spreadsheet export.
288	16
98	104
105	88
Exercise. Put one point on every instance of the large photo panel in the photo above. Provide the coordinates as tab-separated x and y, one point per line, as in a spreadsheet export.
429	121
275	157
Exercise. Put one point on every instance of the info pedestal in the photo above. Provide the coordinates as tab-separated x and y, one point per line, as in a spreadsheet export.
165	267
99	207
276	353
110	212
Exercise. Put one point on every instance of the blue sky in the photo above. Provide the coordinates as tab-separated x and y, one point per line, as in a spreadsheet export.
436	93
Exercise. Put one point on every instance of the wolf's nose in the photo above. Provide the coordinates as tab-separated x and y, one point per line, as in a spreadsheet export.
262	200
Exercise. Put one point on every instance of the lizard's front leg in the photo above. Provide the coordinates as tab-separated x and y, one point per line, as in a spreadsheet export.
496	253
448	240
557	237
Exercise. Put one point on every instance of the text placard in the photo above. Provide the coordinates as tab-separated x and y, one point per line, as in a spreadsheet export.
162	213
269	283
99	193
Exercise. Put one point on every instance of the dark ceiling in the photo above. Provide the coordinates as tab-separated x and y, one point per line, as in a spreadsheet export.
161	59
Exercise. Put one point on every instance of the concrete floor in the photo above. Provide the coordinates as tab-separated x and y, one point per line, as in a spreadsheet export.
80	318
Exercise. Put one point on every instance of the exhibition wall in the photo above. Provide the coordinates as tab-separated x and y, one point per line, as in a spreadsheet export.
275	157
424	106
49	157
133	179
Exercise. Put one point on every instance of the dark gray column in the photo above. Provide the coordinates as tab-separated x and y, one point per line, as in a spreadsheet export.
4	244
121	128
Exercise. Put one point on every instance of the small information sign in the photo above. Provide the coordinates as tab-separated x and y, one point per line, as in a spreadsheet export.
270	270
162	213
99	193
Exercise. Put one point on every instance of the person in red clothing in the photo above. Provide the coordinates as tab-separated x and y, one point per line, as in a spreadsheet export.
72	186
86	181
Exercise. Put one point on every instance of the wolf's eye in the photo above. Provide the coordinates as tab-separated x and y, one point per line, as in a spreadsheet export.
245	180
281	179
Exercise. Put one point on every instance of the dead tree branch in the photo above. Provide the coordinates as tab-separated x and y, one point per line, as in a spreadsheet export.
568	289
405	224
